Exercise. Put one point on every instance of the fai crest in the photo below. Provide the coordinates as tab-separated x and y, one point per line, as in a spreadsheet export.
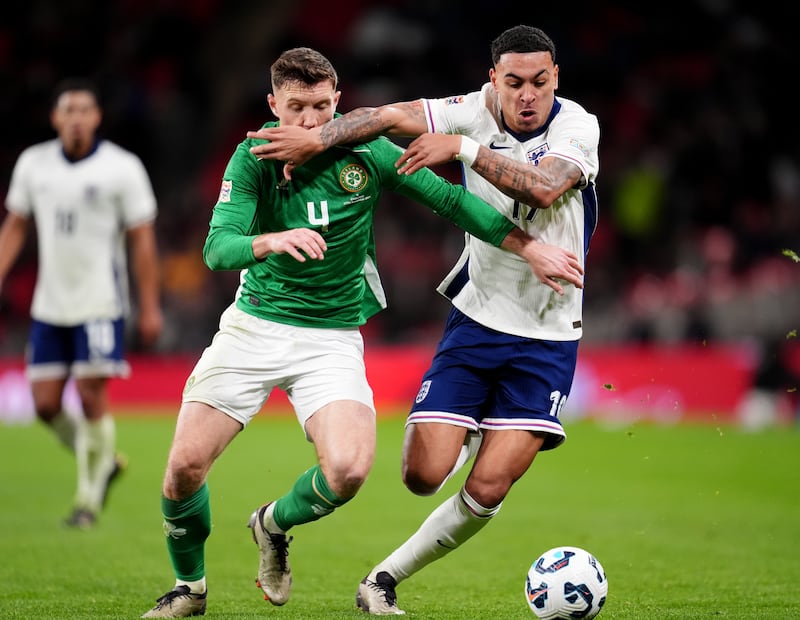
353	178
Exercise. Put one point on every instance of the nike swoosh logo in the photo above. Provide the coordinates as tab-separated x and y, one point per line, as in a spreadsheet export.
441	544
497	147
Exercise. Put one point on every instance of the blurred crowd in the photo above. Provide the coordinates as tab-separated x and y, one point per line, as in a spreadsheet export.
699	185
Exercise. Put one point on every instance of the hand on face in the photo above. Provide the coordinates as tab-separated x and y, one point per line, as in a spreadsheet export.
288	143
301	105
296	105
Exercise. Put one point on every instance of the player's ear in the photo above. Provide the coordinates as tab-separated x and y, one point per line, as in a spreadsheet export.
336	97
98	117
272	104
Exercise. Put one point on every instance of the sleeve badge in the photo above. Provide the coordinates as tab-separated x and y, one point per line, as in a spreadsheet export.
225	191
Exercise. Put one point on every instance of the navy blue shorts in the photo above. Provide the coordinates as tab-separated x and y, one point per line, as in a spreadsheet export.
483	379
92	349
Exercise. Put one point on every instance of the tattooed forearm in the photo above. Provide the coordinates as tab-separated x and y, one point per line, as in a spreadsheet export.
362	124
414	112
537	186
356	126
512	178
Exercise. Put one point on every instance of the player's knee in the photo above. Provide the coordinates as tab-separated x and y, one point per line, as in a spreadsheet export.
421	482
487	493
46	412
183	477
347	478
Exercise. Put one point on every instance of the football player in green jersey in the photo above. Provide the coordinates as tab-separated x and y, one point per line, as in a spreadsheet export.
306	251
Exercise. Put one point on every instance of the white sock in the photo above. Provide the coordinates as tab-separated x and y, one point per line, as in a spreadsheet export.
101	447
453	522
83	494
195	587
65	427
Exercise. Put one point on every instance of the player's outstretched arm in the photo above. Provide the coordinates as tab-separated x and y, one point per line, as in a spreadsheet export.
548	262
296	145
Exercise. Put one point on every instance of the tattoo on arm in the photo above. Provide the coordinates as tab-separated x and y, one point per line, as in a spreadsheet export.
414	112
368	123
355	126
524	182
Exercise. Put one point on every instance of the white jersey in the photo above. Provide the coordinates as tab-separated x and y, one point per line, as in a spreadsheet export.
495	287
82	212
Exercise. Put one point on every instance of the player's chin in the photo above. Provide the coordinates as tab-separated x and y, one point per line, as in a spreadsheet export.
527	122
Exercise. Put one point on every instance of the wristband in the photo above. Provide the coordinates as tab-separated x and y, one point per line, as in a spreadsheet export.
468	152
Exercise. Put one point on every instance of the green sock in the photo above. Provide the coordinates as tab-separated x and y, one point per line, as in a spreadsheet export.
187	525
310	499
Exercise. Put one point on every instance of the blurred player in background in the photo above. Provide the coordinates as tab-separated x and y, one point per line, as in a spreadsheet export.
505	365
309	281
88	197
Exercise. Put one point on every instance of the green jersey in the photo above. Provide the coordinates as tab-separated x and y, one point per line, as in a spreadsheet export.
335	194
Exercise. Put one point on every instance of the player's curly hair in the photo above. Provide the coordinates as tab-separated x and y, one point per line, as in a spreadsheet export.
522	39
304	65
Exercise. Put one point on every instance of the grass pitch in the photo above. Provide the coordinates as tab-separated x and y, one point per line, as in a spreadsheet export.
688	521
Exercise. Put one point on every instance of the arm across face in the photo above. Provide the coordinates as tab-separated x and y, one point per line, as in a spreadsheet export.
296	145
550	264
538	186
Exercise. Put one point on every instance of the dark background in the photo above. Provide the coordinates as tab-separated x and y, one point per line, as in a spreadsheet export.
699	183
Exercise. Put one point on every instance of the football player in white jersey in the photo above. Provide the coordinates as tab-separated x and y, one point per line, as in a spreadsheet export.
88	198
504	367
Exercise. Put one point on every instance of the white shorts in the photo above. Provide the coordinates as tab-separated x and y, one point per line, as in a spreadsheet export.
249	356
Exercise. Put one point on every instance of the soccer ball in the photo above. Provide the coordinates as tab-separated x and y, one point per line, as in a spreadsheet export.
566	582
